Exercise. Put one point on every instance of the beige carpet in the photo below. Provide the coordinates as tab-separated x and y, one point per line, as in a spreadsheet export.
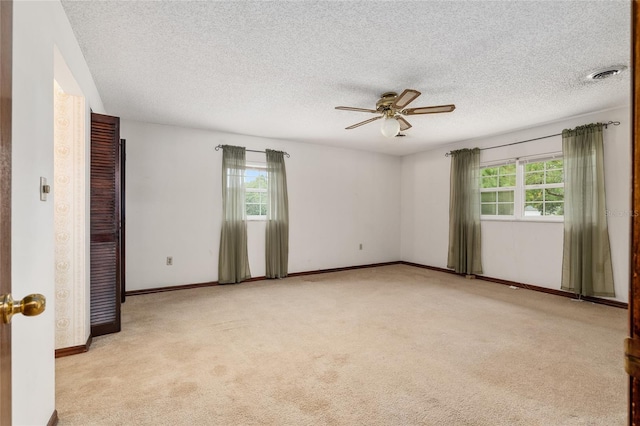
393	345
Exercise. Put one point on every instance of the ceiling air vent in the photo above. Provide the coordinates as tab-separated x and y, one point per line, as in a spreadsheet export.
606	72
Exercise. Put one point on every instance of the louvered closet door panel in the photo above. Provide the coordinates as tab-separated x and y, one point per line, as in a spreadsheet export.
105	223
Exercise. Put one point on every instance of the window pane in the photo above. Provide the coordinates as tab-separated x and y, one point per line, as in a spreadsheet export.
505	209
255	178
488	197
505	196
490	171
490	182
509	169
263	210
533	209
554	209
258	182
531	195
262	181
536	178
508	180
253	209
541	196
251	174
534	167
252	197
554	194
555	176
489	209
555	164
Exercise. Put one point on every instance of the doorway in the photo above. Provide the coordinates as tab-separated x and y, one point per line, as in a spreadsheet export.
70	197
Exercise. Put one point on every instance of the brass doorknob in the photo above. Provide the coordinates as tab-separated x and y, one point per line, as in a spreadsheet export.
31	305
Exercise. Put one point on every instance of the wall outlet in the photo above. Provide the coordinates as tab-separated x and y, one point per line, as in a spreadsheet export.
360	246
169	260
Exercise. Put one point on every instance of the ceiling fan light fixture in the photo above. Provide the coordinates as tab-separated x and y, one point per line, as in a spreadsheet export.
391	109
390	127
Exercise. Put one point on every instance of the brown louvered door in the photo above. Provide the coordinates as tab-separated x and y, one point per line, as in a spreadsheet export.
105	224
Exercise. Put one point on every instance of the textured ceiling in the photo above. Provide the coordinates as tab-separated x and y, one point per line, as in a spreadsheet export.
278	69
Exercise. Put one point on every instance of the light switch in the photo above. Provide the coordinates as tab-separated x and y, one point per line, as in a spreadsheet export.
44	189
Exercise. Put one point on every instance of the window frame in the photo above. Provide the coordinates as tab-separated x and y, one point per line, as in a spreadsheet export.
498	189
261	167
543	187
520	188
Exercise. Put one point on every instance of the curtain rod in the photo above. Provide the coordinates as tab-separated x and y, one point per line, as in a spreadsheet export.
252	150
614	123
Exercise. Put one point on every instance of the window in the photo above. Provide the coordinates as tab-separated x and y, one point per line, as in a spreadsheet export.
523	190
544	188
498	185
255	183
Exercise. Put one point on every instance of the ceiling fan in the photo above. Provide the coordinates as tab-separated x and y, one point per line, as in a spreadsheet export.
390	106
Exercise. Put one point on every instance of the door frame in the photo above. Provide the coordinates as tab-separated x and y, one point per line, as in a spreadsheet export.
6	47
634	285
122	236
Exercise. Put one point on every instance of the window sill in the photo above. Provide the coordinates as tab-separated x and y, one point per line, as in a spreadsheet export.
548	220
499	218
528	219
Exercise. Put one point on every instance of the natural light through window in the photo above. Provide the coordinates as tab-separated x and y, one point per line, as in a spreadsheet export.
544	188
498	188
523	190
255	182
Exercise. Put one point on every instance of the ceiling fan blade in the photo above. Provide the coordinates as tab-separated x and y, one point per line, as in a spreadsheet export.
404	124
363	123
405	98
344	108
429	110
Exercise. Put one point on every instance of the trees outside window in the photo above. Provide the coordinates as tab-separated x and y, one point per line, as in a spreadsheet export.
523	190
255	182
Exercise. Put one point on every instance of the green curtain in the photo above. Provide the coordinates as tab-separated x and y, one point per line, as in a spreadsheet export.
586	260
277	233
465	256
233	261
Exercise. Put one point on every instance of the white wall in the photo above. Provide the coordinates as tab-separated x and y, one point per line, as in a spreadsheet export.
70	219
338	198
527	252
38	27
